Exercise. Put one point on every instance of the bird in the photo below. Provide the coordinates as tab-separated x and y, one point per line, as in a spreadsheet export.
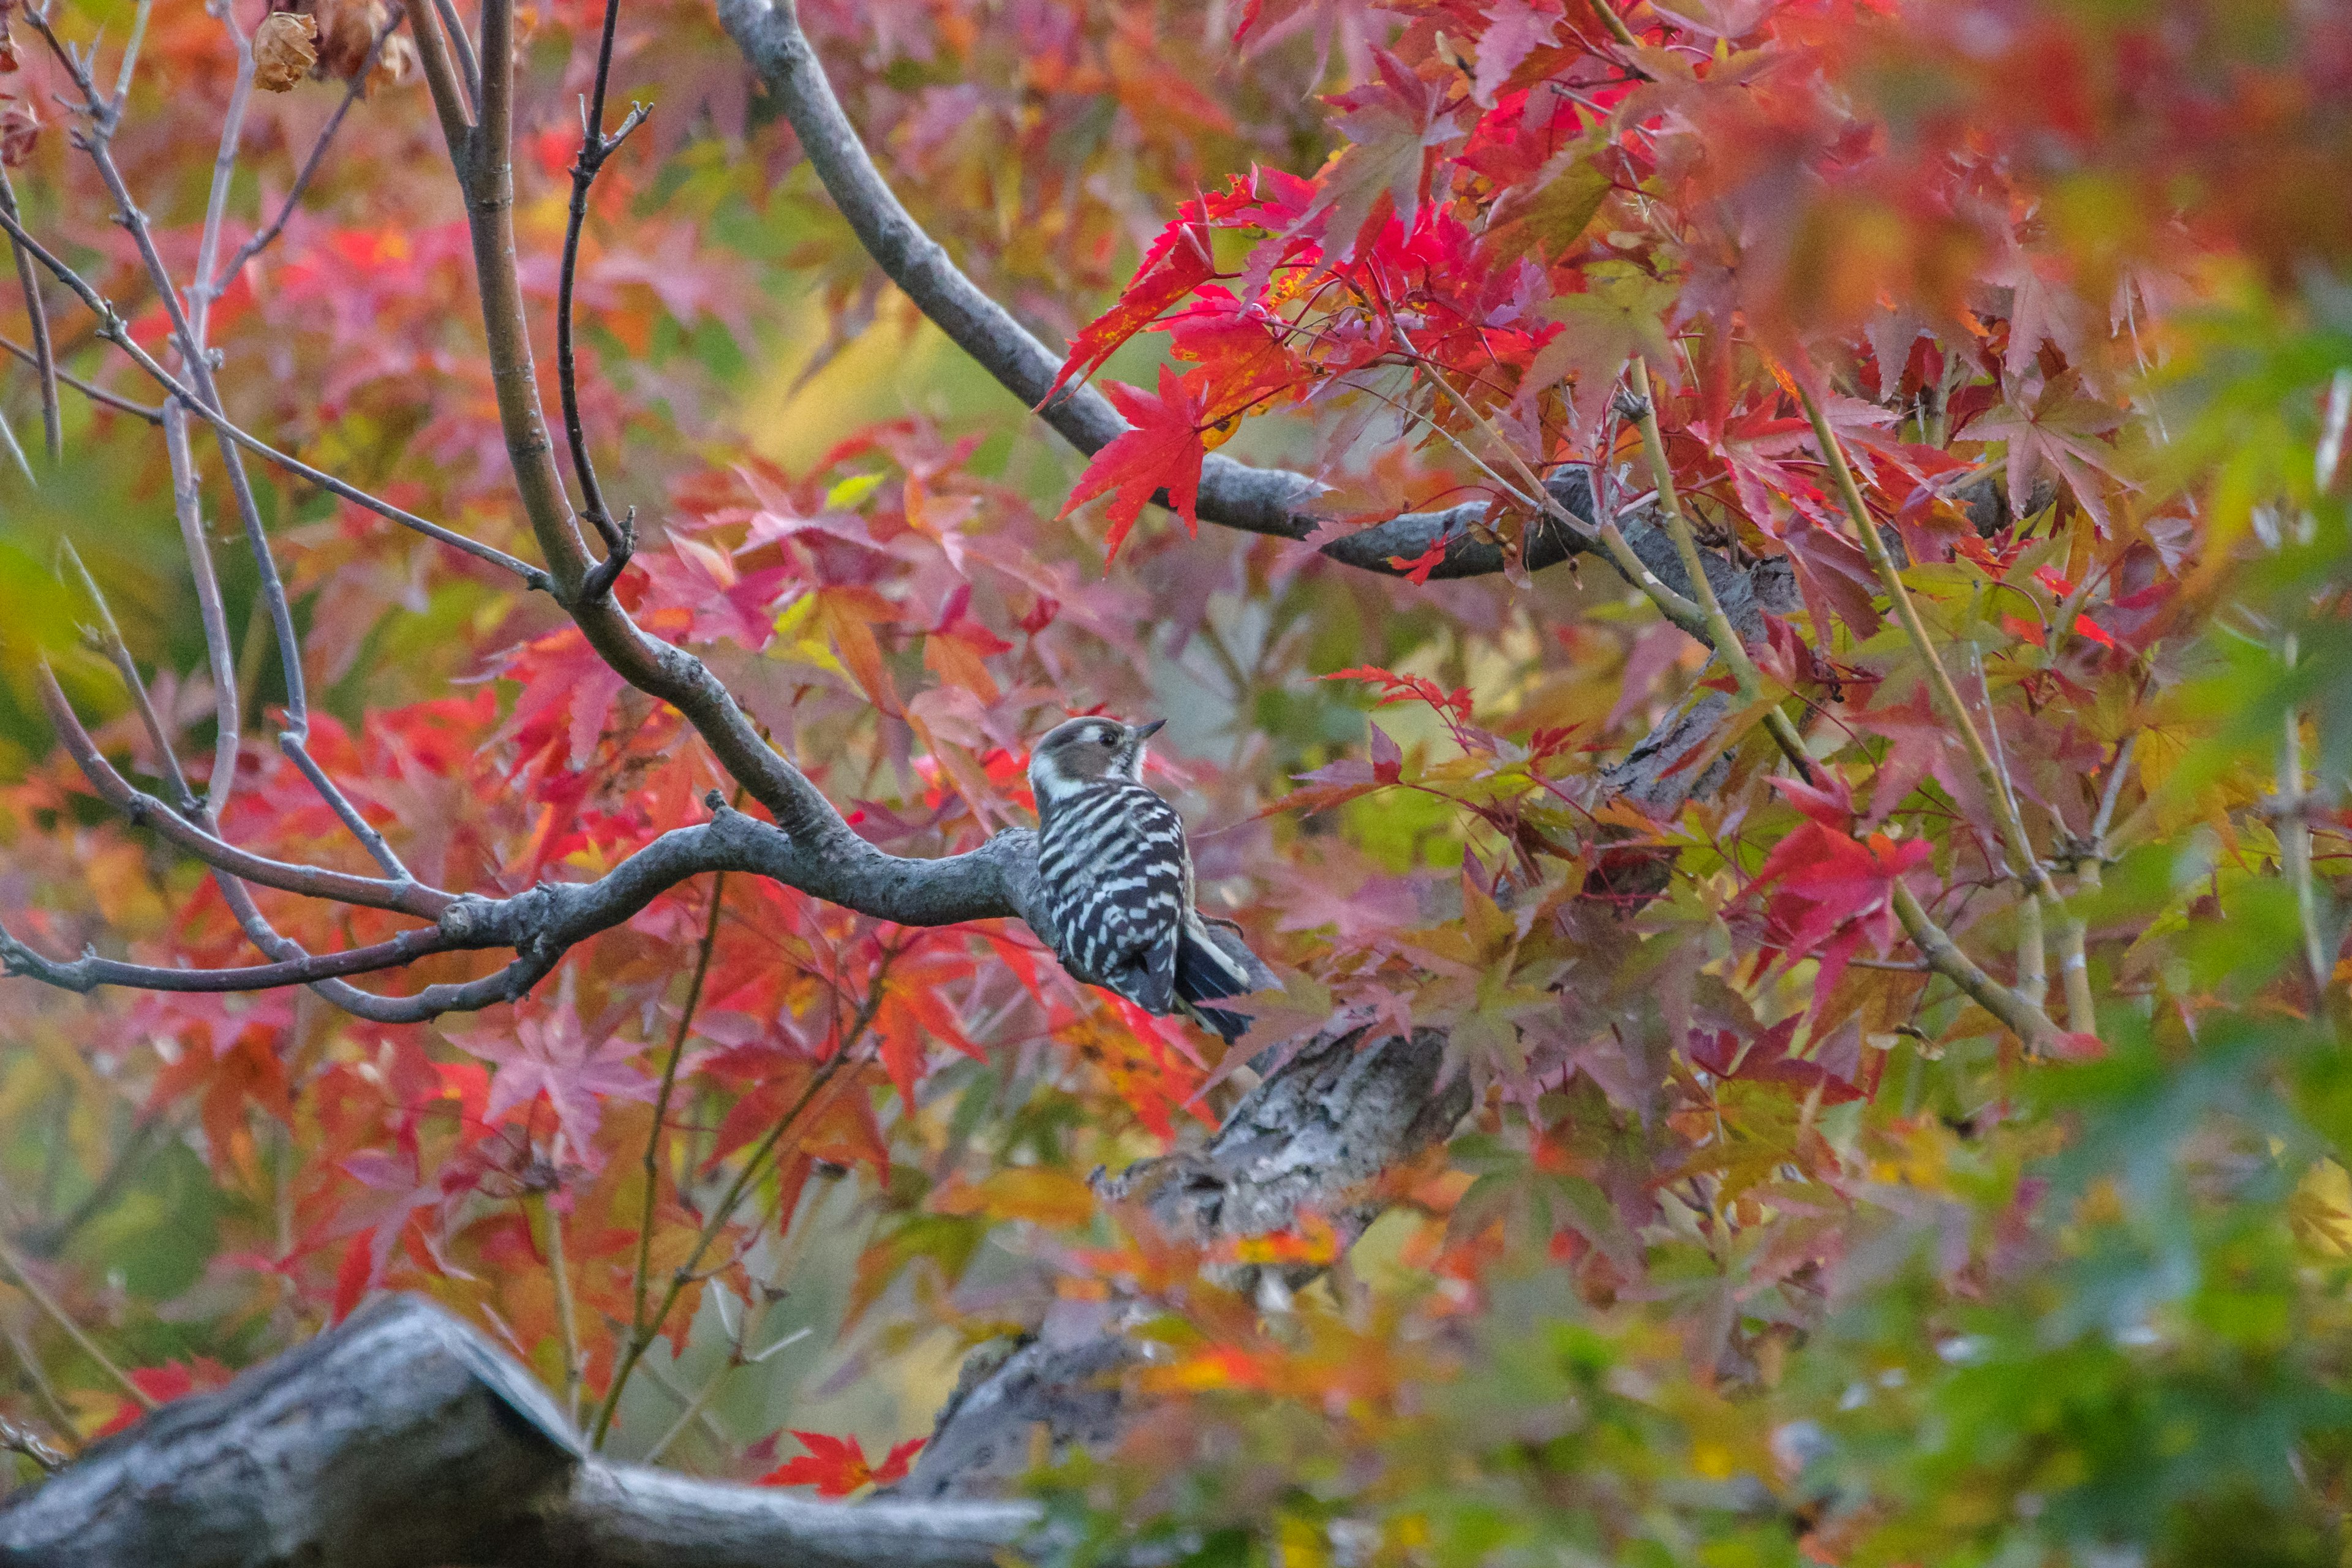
1118	879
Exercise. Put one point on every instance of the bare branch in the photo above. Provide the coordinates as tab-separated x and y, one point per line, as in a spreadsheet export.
99	395
595	147
403	1402
409	897
90	971
43	353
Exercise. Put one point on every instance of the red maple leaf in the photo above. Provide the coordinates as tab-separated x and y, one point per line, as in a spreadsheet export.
1164	451
837	1466
172	1380
1178	262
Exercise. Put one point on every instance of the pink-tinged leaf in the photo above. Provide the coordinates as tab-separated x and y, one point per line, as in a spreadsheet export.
1387	757
1830	803
1515	30
2054	580
1164	451
1388	123
549	1053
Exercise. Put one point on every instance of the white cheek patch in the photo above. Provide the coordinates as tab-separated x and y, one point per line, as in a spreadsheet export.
1047	781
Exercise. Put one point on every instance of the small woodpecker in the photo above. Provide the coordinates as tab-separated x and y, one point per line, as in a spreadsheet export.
1118	879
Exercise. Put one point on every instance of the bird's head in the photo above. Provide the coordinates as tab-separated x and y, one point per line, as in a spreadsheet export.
1084	752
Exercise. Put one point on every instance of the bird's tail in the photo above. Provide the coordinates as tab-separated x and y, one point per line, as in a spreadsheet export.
1207	971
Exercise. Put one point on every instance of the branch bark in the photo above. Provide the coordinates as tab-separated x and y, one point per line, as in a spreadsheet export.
404	1438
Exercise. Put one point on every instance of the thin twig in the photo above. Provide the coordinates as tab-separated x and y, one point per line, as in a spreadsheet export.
311	881
147	1133
219	281
42	355
595	147
32	356
469	69
567	1316
113	329
661	1106
723	1212
20	1277
203	290
2028	1022
2024	864
36	1379
17	1439
2294	839
110	637
1728	644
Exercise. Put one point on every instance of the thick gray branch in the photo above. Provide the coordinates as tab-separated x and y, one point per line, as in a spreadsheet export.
404	1440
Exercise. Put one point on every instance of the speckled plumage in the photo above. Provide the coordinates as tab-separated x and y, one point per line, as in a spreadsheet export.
1118	878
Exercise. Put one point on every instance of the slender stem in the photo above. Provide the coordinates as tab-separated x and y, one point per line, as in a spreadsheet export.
311	881
595	147
111	639
661	1108
2024	864
2027	1021
2032	970
723	1213
469	69
1726	637
114	330
187	504
755	1312
51	375
147	1133
203	289
1616	24
20	1277
129	67
213	282
567	1315
2294	840
45	1392
1939	679
43	353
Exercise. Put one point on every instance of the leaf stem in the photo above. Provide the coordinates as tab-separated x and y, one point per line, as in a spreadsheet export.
13	1265
2295	839
2025	865
661	1109
567	1313
723	1212
1726	637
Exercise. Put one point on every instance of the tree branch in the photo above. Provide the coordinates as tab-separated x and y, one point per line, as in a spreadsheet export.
405	1439
1232	495
619	535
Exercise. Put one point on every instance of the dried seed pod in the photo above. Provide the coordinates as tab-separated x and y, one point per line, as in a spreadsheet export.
285	47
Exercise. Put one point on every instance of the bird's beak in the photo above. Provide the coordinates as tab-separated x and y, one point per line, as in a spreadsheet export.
1145	731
